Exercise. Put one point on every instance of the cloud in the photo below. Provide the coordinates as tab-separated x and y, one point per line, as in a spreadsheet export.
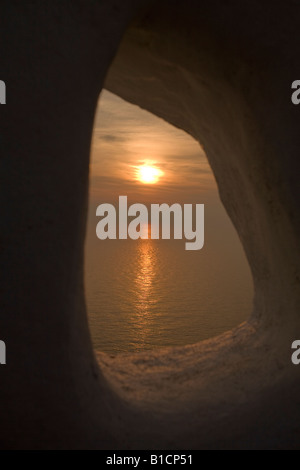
111	138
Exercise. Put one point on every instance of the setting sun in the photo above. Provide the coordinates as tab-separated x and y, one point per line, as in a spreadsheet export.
148	174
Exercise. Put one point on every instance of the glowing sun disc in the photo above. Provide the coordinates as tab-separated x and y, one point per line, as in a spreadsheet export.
149	174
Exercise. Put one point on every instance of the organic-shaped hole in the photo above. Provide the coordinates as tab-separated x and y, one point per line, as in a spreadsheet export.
143	294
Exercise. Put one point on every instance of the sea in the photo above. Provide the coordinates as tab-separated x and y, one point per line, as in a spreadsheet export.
147	294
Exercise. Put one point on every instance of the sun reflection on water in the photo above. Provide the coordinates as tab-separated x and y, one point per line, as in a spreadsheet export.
145	288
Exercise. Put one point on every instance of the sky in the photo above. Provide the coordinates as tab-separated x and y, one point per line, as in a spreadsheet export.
125	138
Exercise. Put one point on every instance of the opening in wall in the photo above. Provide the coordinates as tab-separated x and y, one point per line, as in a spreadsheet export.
148	293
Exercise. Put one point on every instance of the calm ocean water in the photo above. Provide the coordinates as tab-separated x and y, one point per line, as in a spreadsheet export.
146	294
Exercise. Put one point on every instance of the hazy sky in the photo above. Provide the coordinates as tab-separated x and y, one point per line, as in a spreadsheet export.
126	137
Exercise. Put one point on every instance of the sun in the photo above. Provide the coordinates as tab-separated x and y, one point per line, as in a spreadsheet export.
149	174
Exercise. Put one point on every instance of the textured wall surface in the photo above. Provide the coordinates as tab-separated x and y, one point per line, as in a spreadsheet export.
222	71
